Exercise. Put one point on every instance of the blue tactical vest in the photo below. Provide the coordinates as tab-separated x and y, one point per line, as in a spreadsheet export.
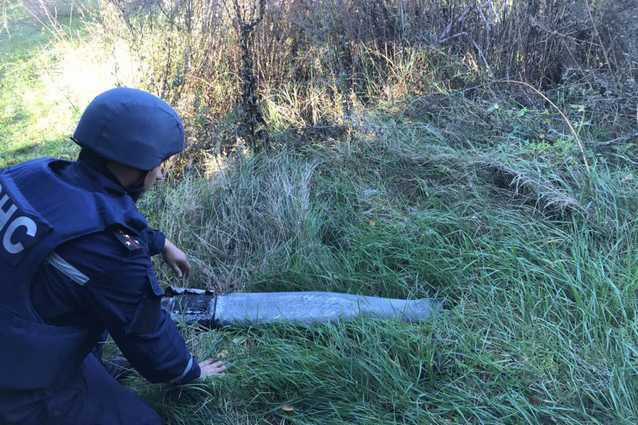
39	210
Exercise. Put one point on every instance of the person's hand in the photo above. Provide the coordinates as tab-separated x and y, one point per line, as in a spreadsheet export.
176	258
212	368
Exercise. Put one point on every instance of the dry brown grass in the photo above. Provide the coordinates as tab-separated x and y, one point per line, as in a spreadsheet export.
322	57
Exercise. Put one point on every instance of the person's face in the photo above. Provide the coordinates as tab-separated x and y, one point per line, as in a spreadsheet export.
153	176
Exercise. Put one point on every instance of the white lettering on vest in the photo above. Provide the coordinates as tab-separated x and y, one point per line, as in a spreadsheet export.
28	224
6	213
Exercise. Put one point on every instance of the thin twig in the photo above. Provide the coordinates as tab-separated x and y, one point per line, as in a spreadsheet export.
600	39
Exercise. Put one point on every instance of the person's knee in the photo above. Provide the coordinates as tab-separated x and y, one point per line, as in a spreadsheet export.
107	401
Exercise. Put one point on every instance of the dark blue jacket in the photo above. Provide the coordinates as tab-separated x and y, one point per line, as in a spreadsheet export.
74	262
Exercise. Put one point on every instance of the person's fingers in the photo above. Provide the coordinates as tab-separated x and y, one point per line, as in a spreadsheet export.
185	267
217	368
212	372
211	367
214	366
176	269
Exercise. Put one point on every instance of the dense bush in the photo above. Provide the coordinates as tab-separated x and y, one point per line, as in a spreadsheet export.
314	61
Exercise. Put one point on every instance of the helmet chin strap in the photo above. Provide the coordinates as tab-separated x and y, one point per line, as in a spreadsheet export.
98	163
137	189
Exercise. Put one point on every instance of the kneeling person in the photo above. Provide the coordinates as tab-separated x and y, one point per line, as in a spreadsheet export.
75	263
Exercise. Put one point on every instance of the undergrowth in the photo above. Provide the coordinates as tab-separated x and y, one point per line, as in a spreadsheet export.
455	186
537	271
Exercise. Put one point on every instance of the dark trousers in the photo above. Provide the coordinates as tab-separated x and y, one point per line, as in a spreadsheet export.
94	399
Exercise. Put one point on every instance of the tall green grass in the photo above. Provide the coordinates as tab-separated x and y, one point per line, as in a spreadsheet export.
33	118
476	200
540	320
48	74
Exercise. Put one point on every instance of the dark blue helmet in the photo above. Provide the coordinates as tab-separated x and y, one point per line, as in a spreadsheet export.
132	127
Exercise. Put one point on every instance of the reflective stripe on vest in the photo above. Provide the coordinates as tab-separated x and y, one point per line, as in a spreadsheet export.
43	204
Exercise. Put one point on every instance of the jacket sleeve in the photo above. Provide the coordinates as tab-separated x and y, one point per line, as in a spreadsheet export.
122	294
131	311
156	241
159	352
